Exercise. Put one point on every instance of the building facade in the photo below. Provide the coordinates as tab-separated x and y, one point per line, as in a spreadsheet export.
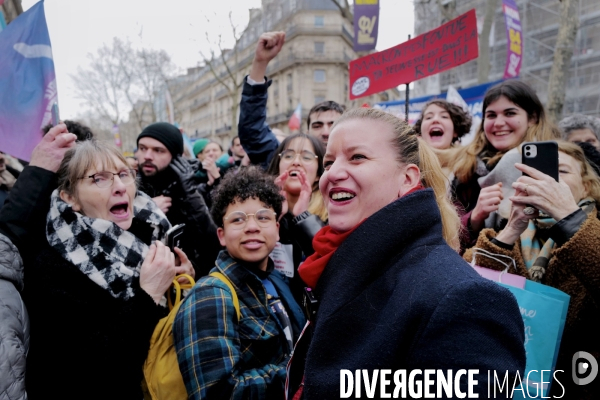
311	67
540	22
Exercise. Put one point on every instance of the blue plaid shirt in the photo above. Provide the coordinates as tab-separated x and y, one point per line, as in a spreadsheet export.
220	357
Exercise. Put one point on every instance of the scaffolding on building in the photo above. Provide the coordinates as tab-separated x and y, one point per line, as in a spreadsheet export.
540	23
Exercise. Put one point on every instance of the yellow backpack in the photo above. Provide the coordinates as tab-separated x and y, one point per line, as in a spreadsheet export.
162	378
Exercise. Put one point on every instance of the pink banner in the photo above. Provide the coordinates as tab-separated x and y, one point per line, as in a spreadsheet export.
514	37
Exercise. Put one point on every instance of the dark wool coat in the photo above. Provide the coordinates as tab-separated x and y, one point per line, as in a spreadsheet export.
85	344
575	269
396	296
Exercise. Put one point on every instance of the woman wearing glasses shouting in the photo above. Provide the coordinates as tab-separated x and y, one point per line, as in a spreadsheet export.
95	294
298	167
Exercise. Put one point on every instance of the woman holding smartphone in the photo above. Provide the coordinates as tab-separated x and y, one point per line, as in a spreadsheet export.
512	114
559	247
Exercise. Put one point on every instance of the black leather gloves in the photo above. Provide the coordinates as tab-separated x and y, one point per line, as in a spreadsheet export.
185	170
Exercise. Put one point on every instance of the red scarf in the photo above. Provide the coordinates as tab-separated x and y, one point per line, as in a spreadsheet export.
325	243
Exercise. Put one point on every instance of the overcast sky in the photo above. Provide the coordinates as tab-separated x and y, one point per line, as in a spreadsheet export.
79	27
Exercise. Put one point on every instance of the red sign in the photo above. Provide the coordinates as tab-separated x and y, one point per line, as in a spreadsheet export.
451	44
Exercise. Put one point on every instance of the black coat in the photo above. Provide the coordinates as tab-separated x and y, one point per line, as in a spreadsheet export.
85	344
396	296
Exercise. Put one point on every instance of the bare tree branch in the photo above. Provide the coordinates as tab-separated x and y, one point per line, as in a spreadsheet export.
120	80
559	73
344	7
483	61
448	10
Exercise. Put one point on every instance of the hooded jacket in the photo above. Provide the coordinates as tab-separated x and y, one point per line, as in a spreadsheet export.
14	324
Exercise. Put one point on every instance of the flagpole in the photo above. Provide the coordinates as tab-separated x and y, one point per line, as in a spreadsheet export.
407	98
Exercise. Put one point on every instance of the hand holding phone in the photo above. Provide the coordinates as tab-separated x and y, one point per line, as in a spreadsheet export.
542	156
174	236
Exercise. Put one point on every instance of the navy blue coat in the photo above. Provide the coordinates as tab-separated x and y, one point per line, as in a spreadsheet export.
396	296
256	136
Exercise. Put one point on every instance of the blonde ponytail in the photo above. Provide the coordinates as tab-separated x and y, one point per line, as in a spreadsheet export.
433	177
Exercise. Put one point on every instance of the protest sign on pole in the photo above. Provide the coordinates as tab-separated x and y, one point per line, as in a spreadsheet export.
448	46
366	23
514	36
27	82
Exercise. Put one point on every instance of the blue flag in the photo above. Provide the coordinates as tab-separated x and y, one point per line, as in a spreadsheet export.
27	82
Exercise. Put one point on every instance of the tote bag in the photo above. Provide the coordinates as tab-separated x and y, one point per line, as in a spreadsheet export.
544	312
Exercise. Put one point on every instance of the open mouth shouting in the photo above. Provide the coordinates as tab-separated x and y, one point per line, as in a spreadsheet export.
294	173
436	132
120	210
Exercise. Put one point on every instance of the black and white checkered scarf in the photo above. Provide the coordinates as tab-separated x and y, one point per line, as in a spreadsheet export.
107	254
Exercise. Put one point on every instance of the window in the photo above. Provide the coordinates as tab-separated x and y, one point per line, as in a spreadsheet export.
319	99
319	47
319	20
319	75
289	83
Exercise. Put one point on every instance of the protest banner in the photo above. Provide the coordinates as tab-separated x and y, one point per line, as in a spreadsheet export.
366	23
452	44
514	35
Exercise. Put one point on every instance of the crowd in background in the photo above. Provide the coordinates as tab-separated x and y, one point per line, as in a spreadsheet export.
372	218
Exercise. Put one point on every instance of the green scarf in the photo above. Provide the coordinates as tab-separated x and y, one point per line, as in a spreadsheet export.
535	250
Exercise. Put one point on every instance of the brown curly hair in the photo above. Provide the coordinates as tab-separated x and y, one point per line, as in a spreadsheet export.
461	120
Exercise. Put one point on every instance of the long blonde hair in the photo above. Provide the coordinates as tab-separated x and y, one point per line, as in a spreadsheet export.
523	96
413	150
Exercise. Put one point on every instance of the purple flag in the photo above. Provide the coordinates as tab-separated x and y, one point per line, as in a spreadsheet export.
366	21
514	37
27	82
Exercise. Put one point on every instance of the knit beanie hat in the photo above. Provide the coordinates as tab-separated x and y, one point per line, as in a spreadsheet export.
199	145
167	134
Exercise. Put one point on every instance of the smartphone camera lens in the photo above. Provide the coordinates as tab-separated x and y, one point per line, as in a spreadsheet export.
527	147
528	154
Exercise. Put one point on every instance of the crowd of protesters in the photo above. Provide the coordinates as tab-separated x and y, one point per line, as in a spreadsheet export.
342	248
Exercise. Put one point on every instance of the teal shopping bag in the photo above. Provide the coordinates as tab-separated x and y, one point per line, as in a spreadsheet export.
544	312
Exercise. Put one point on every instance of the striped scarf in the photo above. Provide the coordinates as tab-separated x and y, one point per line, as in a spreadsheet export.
537	252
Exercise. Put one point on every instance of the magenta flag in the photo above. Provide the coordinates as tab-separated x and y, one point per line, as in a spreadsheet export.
27	82
514	37
366	22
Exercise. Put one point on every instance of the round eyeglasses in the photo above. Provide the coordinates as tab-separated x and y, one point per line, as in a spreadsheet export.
305	156
104	179
239	219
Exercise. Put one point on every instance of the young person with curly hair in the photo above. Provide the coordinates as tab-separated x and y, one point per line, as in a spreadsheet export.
442	124
221	356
